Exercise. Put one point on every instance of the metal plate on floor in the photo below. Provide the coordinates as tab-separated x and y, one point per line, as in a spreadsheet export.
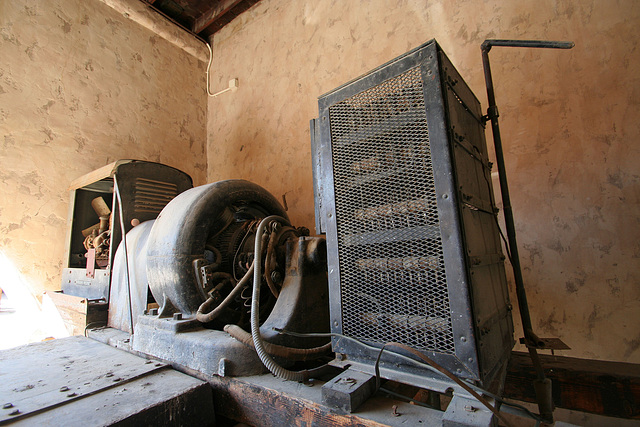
42	376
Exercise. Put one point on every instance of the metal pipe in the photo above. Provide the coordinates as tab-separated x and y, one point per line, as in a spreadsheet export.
492	112
544	44
532	341
152	19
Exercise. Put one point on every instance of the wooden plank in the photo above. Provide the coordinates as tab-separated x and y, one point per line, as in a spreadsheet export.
219	15
598	387
44	375
98	174
77	312
77	381
163	398
215	12
68	302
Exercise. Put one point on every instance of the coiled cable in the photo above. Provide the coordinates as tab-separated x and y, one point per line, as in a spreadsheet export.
204	317
266	359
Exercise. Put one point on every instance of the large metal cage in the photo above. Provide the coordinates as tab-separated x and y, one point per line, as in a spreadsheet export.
404	194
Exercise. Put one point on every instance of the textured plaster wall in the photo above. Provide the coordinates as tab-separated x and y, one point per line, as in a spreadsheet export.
82	86
570	124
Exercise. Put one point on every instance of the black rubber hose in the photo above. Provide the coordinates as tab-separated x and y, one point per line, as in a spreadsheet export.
290	353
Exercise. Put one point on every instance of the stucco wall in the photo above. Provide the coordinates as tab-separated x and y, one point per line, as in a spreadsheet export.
82	86
570	124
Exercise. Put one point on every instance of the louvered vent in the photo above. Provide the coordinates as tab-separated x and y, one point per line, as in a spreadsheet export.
152	196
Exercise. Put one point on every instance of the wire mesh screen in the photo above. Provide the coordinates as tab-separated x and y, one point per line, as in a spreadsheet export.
392	276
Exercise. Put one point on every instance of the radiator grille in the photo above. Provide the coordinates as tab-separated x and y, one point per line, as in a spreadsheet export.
393	284
152	196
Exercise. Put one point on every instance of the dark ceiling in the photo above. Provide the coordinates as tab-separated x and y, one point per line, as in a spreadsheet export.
202	17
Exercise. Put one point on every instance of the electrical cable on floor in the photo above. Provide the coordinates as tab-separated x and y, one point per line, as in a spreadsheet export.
367	346
443	370
103	323
407	398
116	188
409	359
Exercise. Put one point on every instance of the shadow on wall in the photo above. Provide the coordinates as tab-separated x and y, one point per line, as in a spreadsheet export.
23	319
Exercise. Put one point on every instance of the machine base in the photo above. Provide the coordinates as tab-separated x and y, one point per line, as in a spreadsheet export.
186	343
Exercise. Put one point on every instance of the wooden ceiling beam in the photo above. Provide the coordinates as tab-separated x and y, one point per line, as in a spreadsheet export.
212	15
219	15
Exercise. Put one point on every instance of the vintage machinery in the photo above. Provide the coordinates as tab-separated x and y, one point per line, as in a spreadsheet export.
404	192
94	232
203	264
191	254
410	284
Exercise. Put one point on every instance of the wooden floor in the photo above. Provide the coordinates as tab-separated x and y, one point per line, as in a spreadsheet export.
78	381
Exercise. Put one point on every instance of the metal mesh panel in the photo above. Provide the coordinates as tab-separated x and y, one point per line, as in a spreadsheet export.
393	284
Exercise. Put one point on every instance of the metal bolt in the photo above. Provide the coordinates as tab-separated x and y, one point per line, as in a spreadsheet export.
470	408
7	406
304	231
394	411
463	339
177	316
71	395
276	276
16	412
64	388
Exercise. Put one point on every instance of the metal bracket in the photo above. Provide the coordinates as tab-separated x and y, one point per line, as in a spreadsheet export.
492	112
465	411
546	344
203	272
91	263
348	390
